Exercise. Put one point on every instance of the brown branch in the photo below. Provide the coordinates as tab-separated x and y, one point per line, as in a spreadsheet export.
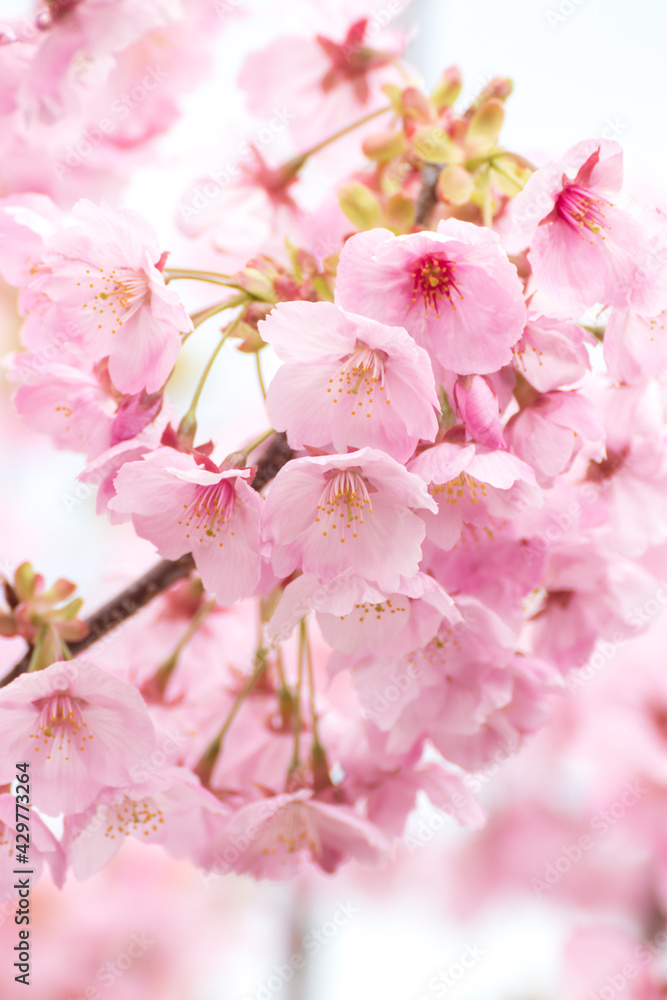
162	576
427	198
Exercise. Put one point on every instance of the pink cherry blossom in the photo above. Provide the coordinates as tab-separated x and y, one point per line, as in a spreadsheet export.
549	433
389	783
467	693
348	381
502	567
169	809
101	471
583	246
635	346
182	506
25	222
477	406
102	273
42	847
332	80
272	837
630	482
94	30
68	404
353	614
332	513
454	290
472	484
585	597
552	352
244	212
80	729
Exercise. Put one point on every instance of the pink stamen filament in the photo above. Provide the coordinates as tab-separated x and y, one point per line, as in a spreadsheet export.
209	511
581	210
435	279
60	723
364	368
124	290
344	494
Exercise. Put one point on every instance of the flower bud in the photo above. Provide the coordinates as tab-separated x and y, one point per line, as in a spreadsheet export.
384	146
360	205
485	126
447	89
433	145
454	185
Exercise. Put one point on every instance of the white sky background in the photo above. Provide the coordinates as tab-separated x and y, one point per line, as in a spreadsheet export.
602	63
600	66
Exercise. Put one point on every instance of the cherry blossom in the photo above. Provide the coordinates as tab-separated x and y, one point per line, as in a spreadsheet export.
364	501
68	404
552	352
454	290
44	848
549	432
387	378
102	274
333	80
81	730
182	506
160	810
272	837
472	484
583	245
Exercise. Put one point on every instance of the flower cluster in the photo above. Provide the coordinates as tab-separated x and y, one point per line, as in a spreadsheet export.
457	497
89	84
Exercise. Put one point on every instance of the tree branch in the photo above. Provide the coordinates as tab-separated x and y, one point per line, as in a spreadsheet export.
427	197
162	576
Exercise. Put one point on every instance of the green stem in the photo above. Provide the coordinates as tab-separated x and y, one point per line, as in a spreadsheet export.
259	374
182	274
487	204
191	414
311	684
239	459
198	318
344	131
296	757
204	768
508	177
165	671
248	450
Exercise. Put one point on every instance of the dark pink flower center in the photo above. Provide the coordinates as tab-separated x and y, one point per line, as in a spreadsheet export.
343	503
351	61
275	181
60	725
209	511
583	211
434	279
